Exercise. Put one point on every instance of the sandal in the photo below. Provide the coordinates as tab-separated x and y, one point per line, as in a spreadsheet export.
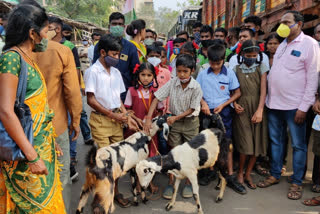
262	171
268	182
295	192
250	184
122	202
315	188
315	201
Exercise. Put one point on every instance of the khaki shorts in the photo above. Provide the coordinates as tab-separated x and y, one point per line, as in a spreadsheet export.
104	131
183	131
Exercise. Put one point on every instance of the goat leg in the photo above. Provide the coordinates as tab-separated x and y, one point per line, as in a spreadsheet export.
85	191
222	187
134	186
195	188
174	196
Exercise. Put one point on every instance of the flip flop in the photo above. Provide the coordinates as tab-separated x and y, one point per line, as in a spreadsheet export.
250	185
315	188
119	197
311	202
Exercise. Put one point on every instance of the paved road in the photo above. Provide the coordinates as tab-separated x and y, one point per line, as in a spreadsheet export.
272	200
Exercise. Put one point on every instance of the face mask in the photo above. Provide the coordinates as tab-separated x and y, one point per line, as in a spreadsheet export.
42	46
149	41
85	42
110	61
161	40
155	61
197	38
68	38
253	29
185	80
116	31
284	30
146	86
51	34
249	61
176	51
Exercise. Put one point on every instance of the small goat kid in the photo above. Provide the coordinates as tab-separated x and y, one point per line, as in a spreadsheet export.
185	160
107	164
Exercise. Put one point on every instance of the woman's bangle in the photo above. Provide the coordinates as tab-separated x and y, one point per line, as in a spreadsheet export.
35	160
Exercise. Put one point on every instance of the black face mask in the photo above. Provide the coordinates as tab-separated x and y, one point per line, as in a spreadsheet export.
68	38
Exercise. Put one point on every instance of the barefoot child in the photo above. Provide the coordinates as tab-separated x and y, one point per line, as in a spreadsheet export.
185	95
252	142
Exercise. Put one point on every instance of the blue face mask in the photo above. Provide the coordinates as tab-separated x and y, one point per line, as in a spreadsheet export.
249	61
146	86
254	30
176	51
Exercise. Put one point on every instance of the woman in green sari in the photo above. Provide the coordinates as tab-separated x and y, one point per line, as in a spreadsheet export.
30	186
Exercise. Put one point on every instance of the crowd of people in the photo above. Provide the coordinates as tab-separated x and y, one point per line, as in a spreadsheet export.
264	91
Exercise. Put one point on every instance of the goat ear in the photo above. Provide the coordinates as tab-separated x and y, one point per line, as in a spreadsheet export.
165	131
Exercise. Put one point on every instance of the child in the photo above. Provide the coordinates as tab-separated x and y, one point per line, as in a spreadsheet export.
217	83
252	142
185	95
139	99
153	56
177	43
163	58
104	85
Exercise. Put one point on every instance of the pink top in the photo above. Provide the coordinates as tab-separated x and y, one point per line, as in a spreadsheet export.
163	77
293	79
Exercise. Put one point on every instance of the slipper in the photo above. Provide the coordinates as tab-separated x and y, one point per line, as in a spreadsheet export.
250	184
125	202
168	192
315	188
312	202
295	192
268	182
187	191
262	171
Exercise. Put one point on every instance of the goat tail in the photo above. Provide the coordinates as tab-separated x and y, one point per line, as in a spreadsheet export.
91	156
87	187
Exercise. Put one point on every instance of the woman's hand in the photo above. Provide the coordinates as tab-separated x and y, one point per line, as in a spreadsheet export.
38	168
257	117
58	150
238	108
132	124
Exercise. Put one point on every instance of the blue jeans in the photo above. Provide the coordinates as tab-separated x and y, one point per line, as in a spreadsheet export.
278	120
73	144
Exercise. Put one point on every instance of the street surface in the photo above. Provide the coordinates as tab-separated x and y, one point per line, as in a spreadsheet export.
272	200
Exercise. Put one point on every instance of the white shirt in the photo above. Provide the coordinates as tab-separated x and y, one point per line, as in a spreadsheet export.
91	53
106	87
233	62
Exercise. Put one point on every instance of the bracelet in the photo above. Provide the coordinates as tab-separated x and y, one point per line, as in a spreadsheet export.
35	160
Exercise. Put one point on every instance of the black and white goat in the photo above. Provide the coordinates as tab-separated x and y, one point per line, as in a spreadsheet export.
205	150
107	164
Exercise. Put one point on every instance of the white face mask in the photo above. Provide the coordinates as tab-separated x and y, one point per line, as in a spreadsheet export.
155	61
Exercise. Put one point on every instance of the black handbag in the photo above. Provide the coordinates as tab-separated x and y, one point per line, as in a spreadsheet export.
9	150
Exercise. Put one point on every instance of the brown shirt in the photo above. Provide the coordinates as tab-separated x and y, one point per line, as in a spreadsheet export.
59	70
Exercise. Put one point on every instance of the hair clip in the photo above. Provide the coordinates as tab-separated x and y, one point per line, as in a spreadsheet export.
261	46
195	45
135	31
136	68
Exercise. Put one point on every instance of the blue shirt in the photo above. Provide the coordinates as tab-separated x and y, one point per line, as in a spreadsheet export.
216	87
128	60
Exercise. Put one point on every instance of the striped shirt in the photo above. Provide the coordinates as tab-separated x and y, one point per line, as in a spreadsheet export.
180	99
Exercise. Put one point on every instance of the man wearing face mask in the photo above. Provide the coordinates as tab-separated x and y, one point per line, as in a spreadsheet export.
58	68
128	55
254	23
150	37
83	54
292	85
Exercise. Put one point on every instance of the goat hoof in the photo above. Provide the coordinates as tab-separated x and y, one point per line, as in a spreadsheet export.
78	212
98	210
218	199
217	188
145	201
135	203
169	206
